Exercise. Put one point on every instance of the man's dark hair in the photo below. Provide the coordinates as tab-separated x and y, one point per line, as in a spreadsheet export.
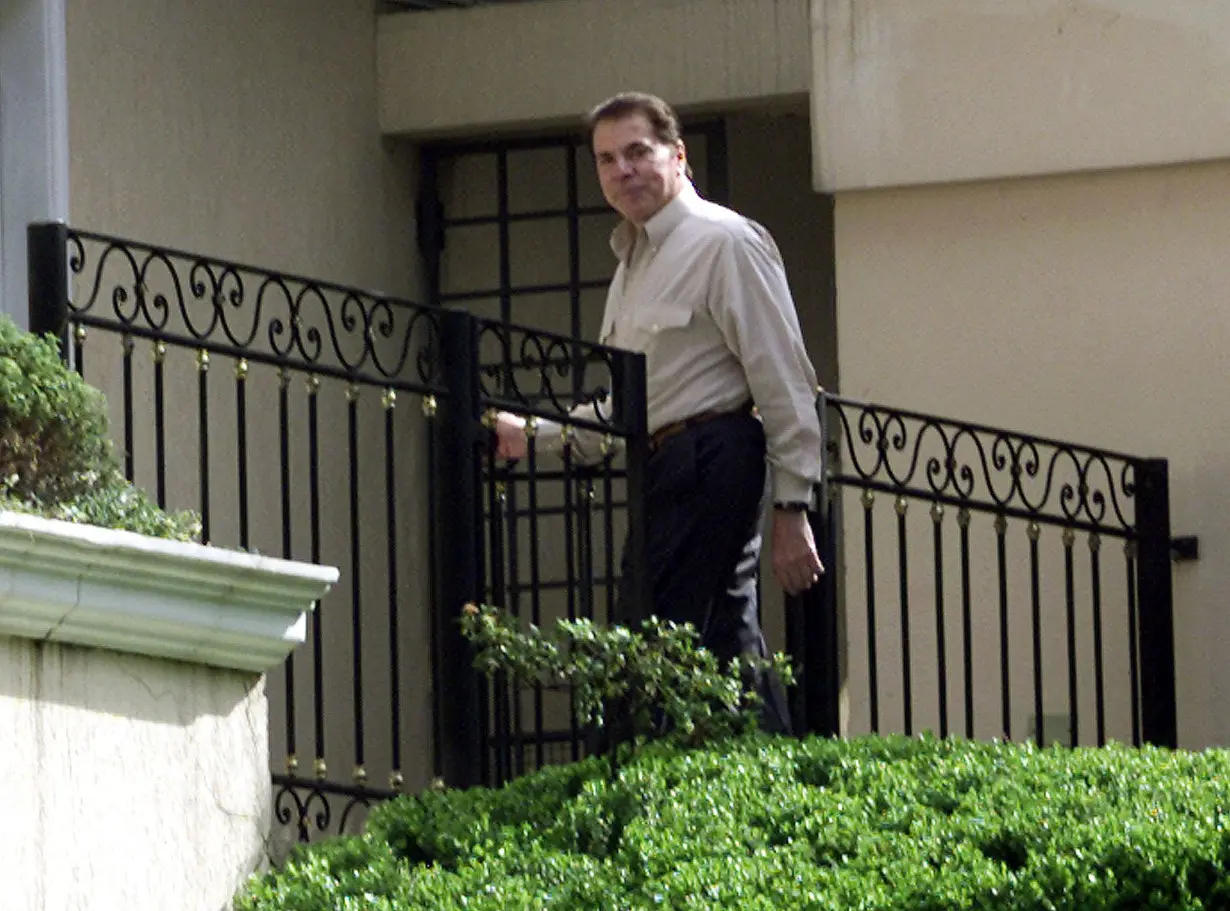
660	115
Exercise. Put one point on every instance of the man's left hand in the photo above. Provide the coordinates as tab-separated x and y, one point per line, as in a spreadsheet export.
796	564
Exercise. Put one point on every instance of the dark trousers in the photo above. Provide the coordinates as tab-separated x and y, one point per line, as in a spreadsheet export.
706	499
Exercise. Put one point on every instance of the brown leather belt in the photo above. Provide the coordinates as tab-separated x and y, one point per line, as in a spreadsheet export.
666	431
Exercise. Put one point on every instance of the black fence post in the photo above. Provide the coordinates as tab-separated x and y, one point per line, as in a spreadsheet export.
459	561
631	398
47	278
1155	604
821	677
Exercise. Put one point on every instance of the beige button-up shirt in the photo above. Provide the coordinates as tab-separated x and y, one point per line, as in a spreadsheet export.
702	292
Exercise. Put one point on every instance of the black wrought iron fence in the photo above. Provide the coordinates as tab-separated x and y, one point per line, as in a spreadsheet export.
981	592
325	423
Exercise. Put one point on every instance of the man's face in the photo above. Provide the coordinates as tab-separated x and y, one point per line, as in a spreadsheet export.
639	173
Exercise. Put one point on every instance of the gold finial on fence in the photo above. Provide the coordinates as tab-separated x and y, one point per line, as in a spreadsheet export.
397	781
490	418
292	764
531	427
1034	530
283	377
868	498
313	384
1001	524
320	768
360	775
79	334
389	399
202	360
430	407
1095	543
1069	538
937	512
352	392
902	506
241	369
160	352
963	517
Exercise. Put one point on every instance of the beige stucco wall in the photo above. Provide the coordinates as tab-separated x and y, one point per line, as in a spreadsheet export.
526	63
246	131
1088	308
909	92
128	782
249	131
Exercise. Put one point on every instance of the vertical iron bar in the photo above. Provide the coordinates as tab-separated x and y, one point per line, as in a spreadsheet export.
608	532
318	683
1001	553
48	282
436	585
941	641
356	580
500	683
79	349
1133	575
292	761
585	547
1035	588
460	515
1069	573
1159	724
535	580
903	563
389	401
1099	672
129	462
571	583
869	560
160	426
241	431
202	363
517	730
967	621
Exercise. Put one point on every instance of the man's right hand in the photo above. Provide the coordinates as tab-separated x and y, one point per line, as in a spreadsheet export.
511	442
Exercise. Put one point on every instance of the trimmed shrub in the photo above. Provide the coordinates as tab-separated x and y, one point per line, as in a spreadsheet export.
759	823
56	455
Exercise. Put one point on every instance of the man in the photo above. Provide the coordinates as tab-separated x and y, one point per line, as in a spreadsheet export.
702	292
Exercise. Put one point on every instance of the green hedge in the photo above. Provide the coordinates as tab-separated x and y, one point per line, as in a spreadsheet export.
773	824
56	456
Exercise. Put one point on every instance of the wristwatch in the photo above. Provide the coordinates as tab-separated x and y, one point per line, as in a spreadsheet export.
792	506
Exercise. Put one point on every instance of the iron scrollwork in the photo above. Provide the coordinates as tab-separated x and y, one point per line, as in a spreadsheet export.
318	808
161	293
547	373
979	467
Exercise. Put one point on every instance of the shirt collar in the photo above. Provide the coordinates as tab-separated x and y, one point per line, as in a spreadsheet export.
659	227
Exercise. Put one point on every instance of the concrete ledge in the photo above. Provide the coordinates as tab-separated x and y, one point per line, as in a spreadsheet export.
518	64
79	584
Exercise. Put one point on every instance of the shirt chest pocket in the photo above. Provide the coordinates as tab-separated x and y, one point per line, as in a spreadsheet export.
661	318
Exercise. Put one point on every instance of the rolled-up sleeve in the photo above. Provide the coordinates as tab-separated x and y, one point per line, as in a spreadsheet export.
750	302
